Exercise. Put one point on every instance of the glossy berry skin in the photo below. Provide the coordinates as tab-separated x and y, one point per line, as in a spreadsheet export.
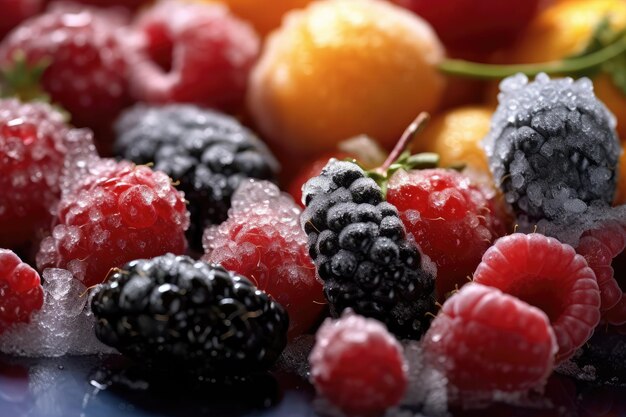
262	240
176	314
358	365
32	151
193	53
87	71
361	252
119	213
604	249
549	275
485	340
452	220
16	11
470	25
207	152
21	293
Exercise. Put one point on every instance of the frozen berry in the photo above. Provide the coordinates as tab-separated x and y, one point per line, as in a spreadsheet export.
21	293
362	253
87	71
452	220
310	170
195	53
32	152
358	365
604	249
485	340
207	152
262	240
176	314
16	11
549	275
552	147
117	213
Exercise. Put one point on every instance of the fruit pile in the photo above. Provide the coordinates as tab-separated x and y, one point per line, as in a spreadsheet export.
145	147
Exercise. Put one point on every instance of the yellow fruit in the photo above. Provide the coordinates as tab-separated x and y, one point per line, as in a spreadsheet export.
565	29
456	136
341	68
264	15
620	198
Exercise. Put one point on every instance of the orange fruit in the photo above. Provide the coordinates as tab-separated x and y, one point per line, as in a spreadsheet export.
341	68
565	29
456	136
620	198
263	15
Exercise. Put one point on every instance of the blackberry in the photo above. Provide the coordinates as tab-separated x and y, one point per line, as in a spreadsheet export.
209	153
604	355
361	251
174	313
552	147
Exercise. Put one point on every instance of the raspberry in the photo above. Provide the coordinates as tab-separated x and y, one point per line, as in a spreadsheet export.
358	365
361	252
173	313
21	293
131	5
604	249
118	213
552	148
194	53
262	240
549	275
32	151
16	11
485	340
209	153
87	70
452	220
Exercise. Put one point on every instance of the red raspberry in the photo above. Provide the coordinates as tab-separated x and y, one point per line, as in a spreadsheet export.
87	74
119	213
32	151
262	240
452	220
193	53
21	293
605	251
549	275
485	340
131	5
16	11
358	365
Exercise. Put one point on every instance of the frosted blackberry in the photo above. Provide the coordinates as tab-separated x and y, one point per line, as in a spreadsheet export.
361	252
209	153
174	313
552	147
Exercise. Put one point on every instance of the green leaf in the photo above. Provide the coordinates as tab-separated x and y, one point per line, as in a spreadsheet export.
616	69
22	80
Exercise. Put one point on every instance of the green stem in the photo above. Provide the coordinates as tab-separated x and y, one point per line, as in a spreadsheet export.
470	69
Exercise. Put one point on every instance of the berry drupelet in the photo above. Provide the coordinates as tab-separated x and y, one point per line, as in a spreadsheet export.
209	153
172	313
361	251
552	147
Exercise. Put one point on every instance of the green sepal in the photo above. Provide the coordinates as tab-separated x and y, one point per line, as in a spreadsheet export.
405	161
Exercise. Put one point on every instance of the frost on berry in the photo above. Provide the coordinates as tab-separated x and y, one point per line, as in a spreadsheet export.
63	325
263	241
32	151
552	148
358	365
112	213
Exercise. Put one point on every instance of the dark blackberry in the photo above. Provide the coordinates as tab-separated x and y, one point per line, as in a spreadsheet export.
552	147
603	358
361	252
209	153
174	313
